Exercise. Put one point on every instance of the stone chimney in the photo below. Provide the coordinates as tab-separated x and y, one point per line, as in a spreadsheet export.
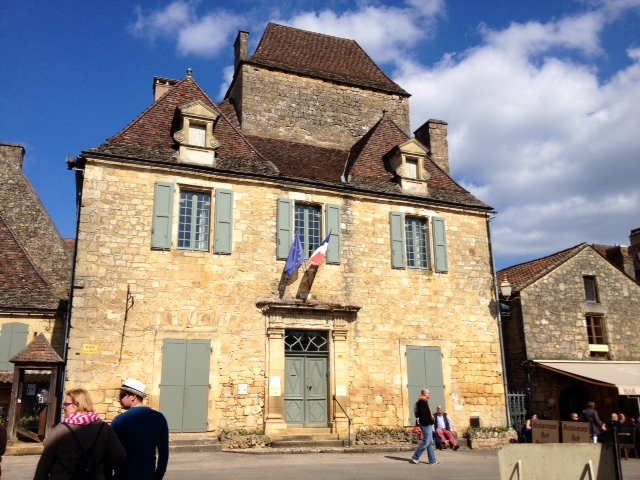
161	86
433	135
241	48
634	237
11	155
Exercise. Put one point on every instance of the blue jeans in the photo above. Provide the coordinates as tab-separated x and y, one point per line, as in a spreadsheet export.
427	444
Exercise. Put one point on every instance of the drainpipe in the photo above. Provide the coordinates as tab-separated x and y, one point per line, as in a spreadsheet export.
72	164
494	276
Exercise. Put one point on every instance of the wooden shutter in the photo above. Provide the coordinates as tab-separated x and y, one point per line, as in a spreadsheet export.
285	228
162	216
334	252
396	221
424	370
440	245
12	341
223	240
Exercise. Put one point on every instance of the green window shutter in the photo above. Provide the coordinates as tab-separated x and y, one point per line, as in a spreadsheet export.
162	216
223	242
13	339
334	252
285	228
396	221
440	245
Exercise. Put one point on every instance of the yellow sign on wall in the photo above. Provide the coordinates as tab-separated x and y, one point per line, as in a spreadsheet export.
89	348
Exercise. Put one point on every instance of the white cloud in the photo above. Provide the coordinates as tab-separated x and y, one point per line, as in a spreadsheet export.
537	136
202	35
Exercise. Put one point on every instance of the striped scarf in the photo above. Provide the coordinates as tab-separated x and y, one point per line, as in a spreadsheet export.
84	418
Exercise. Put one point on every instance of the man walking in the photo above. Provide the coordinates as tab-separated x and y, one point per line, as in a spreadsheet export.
425	421
142	431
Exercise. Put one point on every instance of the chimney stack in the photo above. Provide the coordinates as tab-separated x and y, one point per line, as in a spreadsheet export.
161	86
11	155
433	135
634	237
241	48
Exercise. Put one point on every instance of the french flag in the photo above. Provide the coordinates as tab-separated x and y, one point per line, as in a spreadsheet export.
317	257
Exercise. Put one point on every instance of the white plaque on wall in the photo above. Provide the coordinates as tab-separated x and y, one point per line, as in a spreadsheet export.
243	389
275	390
341	390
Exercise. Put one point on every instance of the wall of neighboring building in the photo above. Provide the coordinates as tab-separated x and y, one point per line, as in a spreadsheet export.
200	295
554	309
271	103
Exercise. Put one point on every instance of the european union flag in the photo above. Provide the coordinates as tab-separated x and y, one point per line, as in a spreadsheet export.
296	257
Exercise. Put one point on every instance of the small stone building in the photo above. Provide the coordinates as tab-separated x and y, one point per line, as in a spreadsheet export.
570	333
189	214
35	277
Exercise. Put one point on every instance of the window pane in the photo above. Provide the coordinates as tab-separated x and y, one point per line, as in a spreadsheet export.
193	228
308	227
197	135
595	330
411	169
416	238
590	290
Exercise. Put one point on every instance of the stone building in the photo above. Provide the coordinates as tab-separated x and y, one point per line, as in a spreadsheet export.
188	216
570	333
35	277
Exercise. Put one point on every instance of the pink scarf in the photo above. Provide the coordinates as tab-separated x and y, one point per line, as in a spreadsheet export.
85	418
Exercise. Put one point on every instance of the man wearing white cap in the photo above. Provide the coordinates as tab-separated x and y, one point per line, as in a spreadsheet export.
142	431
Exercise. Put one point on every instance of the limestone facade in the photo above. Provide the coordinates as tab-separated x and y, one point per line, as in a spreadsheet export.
303	109
197	295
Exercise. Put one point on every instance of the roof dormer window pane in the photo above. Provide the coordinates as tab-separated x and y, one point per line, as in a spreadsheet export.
411	169
197	135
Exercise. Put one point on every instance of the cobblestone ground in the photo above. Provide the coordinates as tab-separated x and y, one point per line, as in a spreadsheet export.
465	464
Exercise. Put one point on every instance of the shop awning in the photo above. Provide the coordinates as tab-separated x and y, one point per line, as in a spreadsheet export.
625	376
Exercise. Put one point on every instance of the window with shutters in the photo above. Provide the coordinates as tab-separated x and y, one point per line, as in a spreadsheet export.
195	224
313	223
418	242
13	339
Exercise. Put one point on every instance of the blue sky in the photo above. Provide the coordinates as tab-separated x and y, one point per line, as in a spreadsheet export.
541	96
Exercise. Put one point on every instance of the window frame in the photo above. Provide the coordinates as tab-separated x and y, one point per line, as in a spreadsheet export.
423	262
194	224
310	235
436	243
598	341
590	288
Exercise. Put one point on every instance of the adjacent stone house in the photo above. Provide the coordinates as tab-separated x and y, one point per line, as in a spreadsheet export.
570	333
35	277
188	216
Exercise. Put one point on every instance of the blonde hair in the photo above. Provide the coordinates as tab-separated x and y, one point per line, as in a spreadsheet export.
81	398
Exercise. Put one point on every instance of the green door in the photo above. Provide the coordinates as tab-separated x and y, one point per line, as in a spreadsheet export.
305	399
184	387
424	370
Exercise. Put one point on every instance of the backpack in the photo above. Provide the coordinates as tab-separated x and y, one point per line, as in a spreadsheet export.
416	413
87	466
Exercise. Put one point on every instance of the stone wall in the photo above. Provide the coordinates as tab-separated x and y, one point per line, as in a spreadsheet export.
280	105
200	295
554	310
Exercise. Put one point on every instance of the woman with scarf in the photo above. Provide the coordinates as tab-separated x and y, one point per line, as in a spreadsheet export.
62	449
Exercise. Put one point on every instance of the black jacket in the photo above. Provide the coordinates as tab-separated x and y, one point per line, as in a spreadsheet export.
425	416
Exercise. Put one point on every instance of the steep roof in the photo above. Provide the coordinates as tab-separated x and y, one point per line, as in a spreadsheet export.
522	275
149	138
35	263
322	56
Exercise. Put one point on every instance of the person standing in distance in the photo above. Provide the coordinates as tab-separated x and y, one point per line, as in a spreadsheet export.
425	421
142	431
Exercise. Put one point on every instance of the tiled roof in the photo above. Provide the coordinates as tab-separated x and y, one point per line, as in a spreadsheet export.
522	275
144	140
38	351
35	263
316	55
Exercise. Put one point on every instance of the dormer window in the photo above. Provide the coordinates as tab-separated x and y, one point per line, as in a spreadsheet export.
197	135
196	140
411	168
407	161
